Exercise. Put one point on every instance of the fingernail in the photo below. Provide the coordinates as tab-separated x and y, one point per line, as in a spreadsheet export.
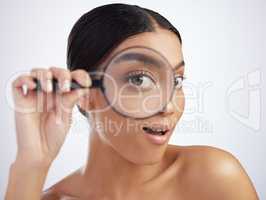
24	89
49	85
66	86
88	82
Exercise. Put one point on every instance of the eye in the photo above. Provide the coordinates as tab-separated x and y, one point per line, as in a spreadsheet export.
179	81
141	79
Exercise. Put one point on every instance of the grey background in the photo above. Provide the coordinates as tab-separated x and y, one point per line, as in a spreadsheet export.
224	49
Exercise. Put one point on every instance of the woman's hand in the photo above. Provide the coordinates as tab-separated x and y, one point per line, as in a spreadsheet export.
43	118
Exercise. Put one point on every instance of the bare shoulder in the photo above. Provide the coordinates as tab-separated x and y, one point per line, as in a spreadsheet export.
64	189
214	173
50	194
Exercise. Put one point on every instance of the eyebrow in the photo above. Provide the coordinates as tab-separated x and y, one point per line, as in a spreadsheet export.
139	57
145	59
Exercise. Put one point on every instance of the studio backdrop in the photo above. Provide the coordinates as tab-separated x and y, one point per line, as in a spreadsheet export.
224	49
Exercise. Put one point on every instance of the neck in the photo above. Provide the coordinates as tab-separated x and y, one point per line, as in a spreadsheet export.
107	172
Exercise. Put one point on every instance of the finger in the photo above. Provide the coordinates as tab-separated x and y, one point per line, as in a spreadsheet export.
64	78
45	77
82	77
24	80
21	85
24	94
68	100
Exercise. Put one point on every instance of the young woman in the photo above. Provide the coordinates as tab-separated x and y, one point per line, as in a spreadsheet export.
123	163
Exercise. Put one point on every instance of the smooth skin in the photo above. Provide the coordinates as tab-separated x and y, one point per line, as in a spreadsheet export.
119	166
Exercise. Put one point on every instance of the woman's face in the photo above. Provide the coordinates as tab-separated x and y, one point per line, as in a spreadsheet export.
126	135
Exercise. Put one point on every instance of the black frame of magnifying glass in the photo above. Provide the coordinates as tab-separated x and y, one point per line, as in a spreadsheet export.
98	82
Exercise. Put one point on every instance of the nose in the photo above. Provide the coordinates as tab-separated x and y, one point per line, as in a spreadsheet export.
168	109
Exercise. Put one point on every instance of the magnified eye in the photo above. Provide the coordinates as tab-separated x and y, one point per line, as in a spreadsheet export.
141	80
179	81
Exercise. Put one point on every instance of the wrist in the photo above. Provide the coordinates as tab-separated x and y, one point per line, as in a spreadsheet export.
26	180
26	161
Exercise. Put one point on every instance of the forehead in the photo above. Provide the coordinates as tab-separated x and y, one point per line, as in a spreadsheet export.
162	41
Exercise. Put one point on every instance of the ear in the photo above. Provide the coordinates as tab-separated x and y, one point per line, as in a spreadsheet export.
85	104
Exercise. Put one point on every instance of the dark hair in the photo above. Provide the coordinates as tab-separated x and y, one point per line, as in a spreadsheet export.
100	30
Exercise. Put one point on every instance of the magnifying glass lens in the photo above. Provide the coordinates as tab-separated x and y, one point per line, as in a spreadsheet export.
138	82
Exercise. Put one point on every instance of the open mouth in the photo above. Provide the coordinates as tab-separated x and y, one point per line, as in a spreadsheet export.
155	131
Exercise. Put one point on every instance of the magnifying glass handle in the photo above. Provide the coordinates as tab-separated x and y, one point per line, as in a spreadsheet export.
74	85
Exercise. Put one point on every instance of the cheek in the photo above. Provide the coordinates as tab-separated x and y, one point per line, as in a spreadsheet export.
112	125
179	102
121	135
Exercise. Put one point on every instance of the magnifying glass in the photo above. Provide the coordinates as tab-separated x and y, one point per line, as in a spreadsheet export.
137	82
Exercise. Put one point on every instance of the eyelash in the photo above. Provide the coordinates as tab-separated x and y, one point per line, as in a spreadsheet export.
145	73
182	78
136	73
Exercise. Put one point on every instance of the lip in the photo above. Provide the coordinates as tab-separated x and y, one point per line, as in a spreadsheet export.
158	139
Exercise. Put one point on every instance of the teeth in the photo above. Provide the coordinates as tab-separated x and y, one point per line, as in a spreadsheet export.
155	131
